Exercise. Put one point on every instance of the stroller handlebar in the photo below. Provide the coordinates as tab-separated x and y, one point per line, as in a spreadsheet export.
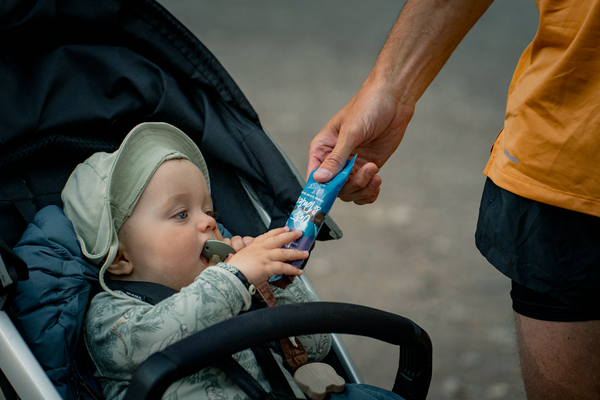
199	350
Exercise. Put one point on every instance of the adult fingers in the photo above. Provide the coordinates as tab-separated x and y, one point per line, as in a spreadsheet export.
366	195
331	148
334	162
361	179
320	147
363	199
323	143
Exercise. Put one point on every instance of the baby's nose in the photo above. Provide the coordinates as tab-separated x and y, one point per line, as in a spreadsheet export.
207	224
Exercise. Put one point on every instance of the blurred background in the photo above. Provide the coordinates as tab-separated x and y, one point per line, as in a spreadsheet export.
412	252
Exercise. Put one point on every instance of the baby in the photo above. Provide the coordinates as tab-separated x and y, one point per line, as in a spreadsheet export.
144	214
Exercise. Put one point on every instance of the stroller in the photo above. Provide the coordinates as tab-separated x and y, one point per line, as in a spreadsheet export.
76	76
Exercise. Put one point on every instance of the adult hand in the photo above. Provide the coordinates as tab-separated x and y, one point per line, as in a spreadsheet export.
372	126
264	257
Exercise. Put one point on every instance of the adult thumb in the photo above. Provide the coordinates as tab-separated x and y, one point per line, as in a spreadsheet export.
332	165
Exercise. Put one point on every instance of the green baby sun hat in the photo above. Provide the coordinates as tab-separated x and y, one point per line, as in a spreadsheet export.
102	192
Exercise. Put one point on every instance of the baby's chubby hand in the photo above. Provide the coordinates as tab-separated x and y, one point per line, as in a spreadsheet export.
238	242
264	256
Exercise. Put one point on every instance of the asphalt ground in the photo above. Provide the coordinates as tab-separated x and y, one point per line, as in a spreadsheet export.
413	251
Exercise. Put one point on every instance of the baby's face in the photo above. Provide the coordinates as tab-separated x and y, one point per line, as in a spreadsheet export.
166	232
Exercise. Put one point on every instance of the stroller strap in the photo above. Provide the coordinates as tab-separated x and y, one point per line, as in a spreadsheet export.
148	292
280	389
293	349
275	376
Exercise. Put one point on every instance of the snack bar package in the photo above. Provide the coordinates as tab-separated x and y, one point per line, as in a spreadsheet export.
311	209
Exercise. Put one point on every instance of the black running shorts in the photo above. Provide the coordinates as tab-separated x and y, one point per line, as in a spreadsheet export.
551	254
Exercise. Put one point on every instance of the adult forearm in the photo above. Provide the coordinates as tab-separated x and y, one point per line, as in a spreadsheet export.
373	123
420	42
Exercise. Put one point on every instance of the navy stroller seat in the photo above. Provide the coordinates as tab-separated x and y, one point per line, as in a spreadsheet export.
76	76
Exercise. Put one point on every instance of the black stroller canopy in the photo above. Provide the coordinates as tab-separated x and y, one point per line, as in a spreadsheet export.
77	75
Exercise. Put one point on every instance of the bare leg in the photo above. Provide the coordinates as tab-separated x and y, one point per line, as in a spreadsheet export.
559	360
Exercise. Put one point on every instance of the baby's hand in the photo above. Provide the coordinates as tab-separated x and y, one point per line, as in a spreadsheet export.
238	242
264	257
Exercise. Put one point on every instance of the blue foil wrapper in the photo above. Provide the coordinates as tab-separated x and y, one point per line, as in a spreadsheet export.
311	210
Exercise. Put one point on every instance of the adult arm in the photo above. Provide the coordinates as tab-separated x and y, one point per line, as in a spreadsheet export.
373	123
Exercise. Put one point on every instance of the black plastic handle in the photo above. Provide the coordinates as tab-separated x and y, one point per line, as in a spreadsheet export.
199	350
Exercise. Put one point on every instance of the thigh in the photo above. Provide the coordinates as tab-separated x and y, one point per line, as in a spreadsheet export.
559	360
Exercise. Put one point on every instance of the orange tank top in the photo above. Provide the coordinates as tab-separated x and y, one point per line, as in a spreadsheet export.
549	149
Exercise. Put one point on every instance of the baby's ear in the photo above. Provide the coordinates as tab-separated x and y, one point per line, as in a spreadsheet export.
120	265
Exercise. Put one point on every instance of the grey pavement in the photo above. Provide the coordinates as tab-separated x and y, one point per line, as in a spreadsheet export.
413	251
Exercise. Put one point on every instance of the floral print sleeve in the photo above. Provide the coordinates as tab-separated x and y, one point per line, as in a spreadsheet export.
120	334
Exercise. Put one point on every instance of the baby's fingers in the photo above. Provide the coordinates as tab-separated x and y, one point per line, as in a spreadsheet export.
287	255
238	242
274	232
248	240
283	268
275	240
288	269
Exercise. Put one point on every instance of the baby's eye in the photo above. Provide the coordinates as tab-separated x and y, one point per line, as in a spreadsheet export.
182	215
